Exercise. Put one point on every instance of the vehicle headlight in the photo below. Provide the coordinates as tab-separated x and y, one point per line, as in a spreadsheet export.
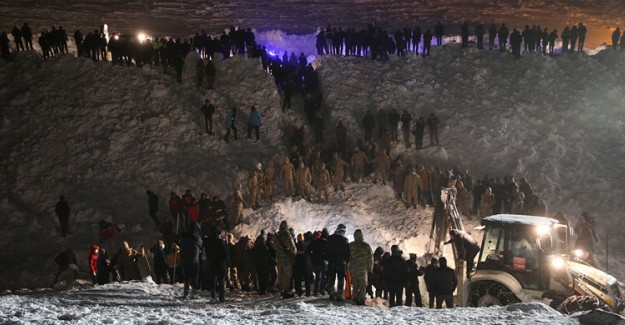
542	230
557	263
578	253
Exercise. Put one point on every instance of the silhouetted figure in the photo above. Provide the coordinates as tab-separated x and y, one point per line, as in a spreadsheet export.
566	37
553	36
439	31
27	34
62	211
616	35
515	43
503	34
479	35
368	123
4	47
581	30
492	34
418	131
427	42
464	34
208	110
230	123
433	127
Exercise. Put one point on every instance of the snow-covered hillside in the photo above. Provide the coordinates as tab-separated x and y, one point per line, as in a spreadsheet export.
102	135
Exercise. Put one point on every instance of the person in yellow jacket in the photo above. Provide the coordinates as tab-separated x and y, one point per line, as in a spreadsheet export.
303	179
287	173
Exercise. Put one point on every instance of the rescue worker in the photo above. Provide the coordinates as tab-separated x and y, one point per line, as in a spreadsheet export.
466	246
360	265
358	162
382	167
269	176
253	184
287	173
463	198
338	172
303	179
285	253
412	182
322	182
190	249
487	202
239	204
429	272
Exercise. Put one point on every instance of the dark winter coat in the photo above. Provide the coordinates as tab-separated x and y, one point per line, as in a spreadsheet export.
466	246
445	280
191	245
429	272
216	252
337	249
394	270
317	251
413	273
160	265
62	209
302	263
261	254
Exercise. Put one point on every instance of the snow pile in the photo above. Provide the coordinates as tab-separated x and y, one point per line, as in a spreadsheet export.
102	135
146	303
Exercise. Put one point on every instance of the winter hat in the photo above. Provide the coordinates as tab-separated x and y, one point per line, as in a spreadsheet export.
413	256
341	226
442	262
395	249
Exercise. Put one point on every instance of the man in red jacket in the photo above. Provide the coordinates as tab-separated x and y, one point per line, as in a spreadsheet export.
93	262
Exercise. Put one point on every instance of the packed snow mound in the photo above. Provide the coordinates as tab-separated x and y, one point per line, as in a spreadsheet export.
102	135
150	303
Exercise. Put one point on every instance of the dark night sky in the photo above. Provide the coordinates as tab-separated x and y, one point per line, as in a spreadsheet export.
182	18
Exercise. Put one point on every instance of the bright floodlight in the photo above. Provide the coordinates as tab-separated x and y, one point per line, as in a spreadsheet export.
542	230
142	37
578	253
557	263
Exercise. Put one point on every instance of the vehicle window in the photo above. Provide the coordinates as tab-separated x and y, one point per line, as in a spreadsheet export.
493	247
522	256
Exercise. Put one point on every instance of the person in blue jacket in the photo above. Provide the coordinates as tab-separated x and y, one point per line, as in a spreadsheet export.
254	123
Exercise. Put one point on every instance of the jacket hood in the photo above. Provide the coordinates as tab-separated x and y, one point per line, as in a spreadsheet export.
284	226
358	235
94	248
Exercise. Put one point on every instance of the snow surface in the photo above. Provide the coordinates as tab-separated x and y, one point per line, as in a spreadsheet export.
146	303
102	135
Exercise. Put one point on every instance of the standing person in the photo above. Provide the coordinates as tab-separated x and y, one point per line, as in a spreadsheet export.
62	212
466	246
615	37
464	34
262	262
412	183
103	268
302	267
406	120
419	129
428	277
581	30
427	43
66	260
93	262
17	38
492	33
216	251
479	35
433	127
341	138
209	73
190	249
161	270
4	47
153	207
27	34
439	31
175	205
239	204
445	282
303	178
360	266
285	253
287	173
368	123
254	123
395	274
412	284
208	110
503	34
393	120
337	251
319	260
383	123
230	123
